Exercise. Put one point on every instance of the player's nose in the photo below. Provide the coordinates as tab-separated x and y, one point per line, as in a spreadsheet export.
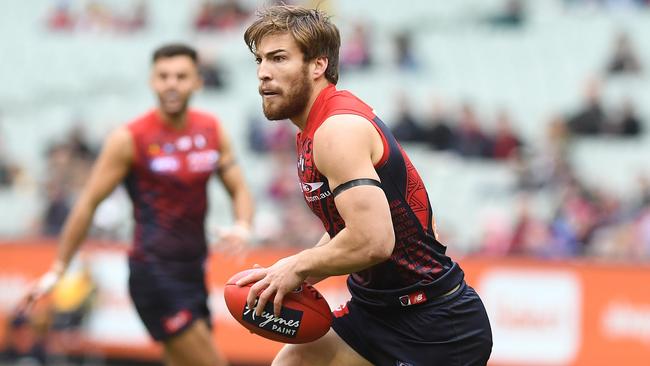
263	72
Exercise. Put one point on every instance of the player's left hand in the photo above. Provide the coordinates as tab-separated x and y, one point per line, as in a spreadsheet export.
233	241
272	282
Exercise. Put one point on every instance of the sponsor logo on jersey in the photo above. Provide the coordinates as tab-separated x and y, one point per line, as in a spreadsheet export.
184	143
318	197
310	187
287	324
164	164
202	161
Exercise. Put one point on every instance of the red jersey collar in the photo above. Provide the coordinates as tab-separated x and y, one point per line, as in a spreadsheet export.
317	107
158	119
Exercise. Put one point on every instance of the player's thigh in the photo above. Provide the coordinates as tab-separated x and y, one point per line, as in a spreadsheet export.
193	347
325	351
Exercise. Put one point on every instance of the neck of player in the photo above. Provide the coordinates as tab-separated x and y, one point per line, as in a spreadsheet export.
301	119
176	121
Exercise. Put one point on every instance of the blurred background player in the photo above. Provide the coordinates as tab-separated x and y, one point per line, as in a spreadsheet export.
410	304
165	158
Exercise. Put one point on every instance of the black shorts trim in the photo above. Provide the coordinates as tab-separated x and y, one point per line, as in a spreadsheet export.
392	298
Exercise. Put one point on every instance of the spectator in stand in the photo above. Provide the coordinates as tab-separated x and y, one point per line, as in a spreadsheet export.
60	17
627	123
355	50
78	143
204	20
529	233
222	15
471	140
407	128
506	142
405	57
644	190
140	18
513	15
624	59
211	71
591	119
57	208
439	133
68	166
96	18
9	172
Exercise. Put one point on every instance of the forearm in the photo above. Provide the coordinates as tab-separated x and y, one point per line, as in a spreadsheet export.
316	279
74	232
242	205
341	255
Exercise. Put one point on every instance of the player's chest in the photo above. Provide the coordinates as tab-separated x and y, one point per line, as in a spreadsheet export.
313	184
187	157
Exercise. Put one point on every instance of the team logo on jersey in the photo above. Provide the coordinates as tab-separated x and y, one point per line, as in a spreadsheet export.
304	158
164	164
310	187
200	141
184	143
301	163
402	363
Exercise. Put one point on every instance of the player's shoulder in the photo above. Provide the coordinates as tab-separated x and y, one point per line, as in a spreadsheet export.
141	122
344	102
202	117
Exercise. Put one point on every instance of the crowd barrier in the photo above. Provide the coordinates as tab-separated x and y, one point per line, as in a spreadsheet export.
542	312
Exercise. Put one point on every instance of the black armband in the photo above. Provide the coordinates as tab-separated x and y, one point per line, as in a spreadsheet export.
222	168
355	182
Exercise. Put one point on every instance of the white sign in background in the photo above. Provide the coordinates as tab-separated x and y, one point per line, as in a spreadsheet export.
535	315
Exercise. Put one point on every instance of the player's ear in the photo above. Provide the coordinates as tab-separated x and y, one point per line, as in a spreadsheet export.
199	82
152	76
319	65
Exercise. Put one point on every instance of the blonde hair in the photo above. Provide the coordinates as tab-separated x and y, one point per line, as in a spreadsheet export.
312	30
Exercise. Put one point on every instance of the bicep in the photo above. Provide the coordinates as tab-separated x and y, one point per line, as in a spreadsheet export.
343	149
344	153
111	167
365	208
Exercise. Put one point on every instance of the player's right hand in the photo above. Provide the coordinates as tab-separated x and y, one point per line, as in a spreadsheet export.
43	285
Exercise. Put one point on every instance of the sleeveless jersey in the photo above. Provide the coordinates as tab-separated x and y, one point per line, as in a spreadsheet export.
417	257
167	184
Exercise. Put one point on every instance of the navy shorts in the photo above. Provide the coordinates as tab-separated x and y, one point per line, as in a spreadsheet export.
453	330
168	296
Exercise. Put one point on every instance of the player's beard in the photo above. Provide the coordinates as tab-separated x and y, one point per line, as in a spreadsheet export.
174	111
293	101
